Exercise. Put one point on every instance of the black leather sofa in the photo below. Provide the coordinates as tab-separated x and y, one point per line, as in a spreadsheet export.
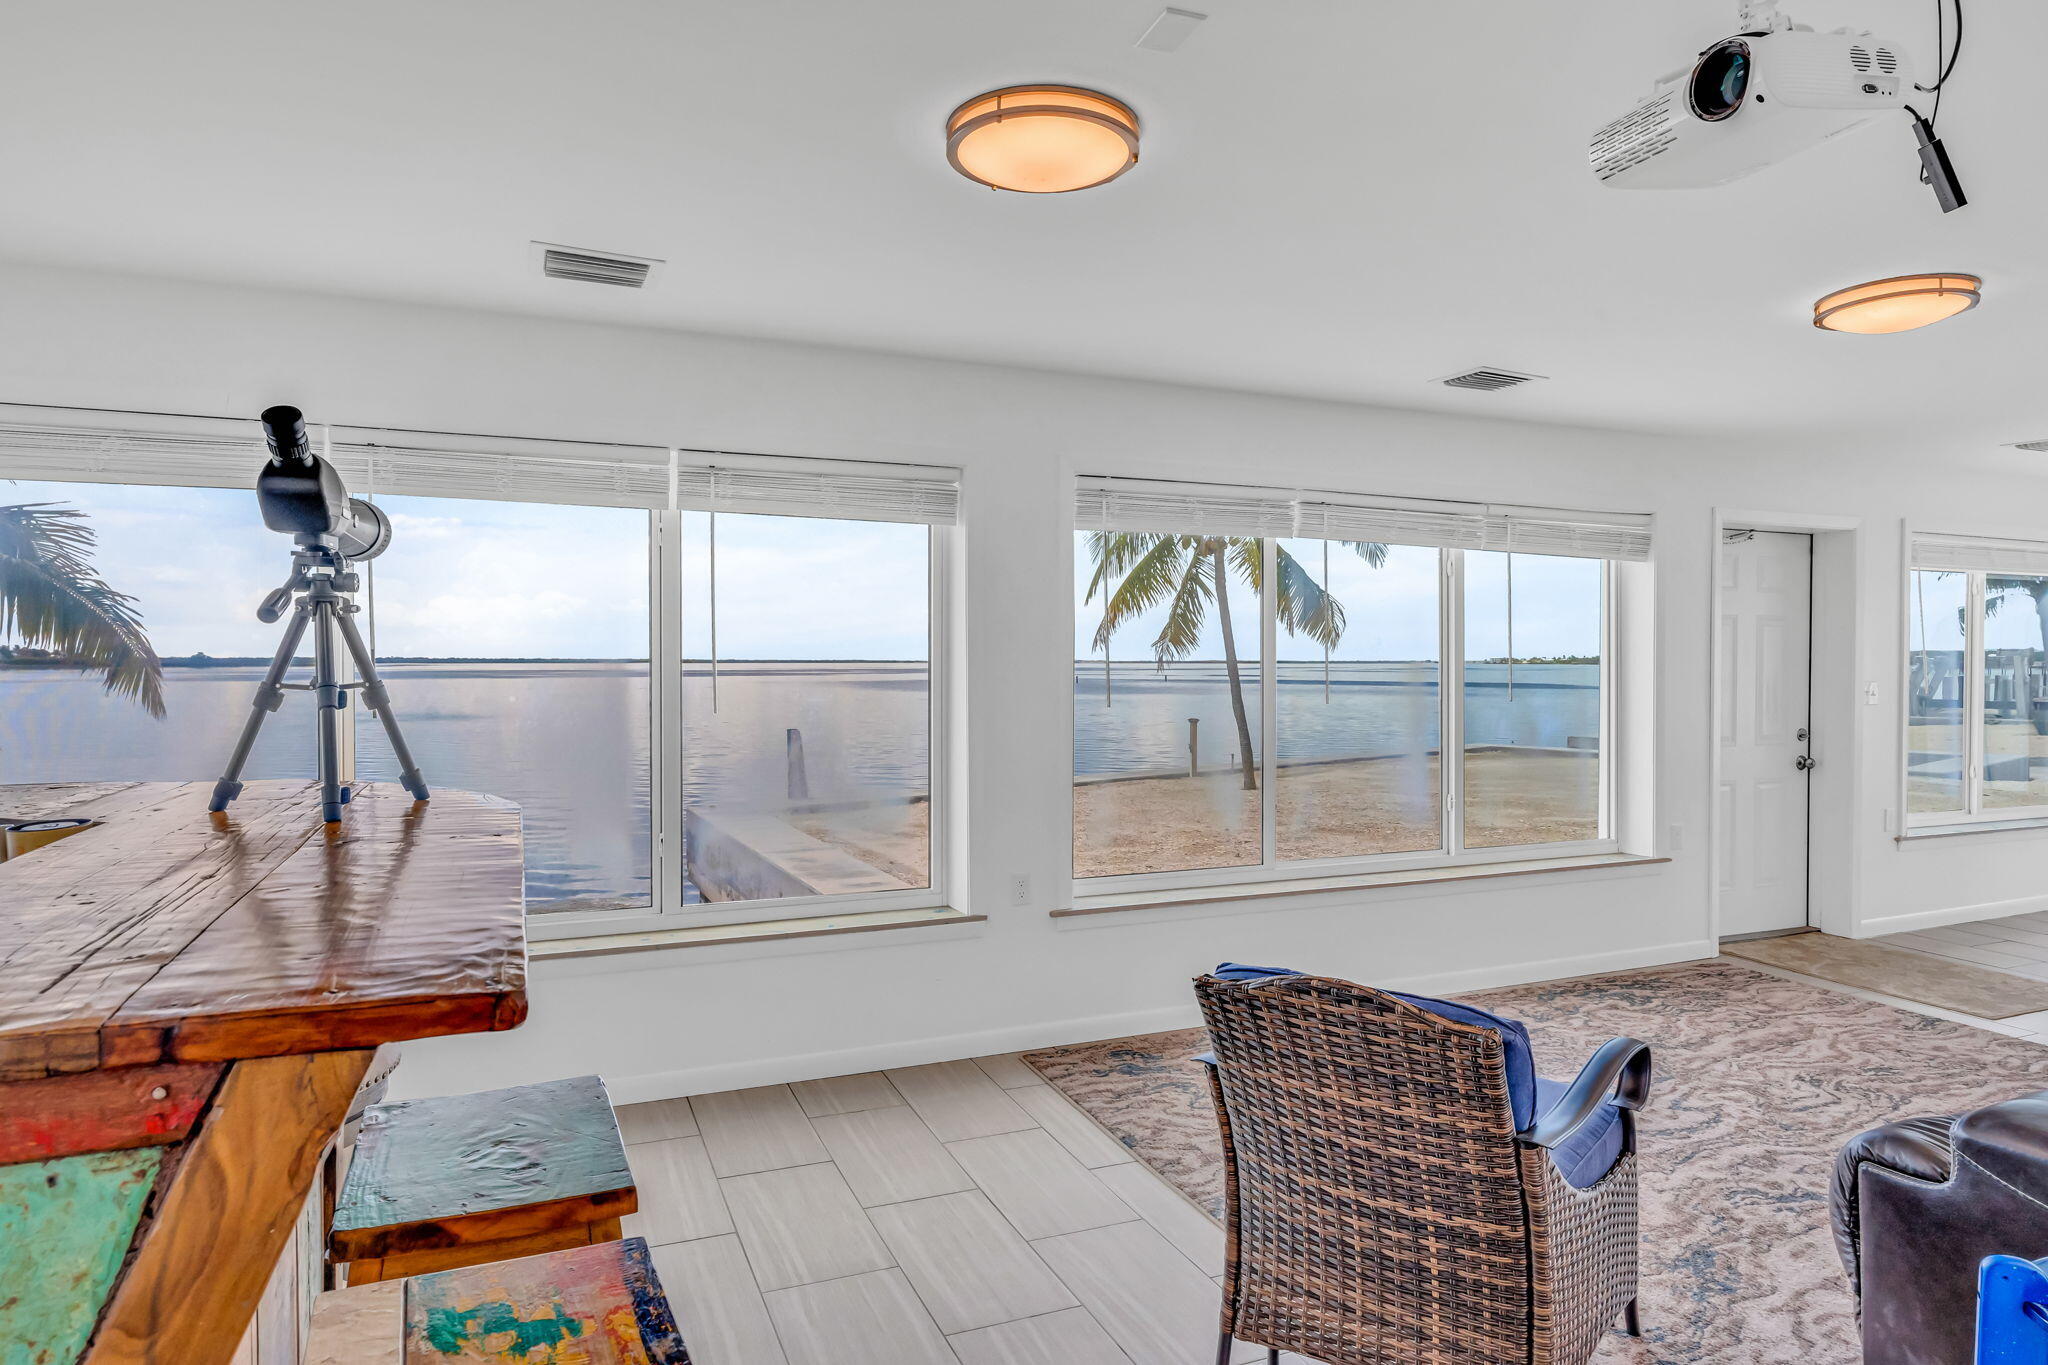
1918	1204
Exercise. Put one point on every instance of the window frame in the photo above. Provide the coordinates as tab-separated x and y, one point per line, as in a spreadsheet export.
1974	816
668	762
1451	851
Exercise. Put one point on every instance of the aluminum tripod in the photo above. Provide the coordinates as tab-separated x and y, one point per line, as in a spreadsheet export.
323	584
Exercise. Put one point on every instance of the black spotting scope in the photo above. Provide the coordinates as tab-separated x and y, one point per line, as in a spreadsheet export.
302	495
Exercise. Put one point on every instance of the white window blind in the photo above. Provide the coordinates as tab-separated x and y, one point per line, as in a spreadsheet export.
383	463
144	448
1959	554
818	488
1102	503
90	447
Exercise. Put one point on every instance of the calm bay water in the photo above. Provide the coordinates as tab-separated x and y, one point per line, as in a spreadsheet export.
569	742
1368	708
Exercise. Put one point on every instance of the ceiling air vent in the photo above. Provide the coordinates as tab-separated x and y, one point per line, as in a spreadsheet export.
595	267
2037	447
1488	380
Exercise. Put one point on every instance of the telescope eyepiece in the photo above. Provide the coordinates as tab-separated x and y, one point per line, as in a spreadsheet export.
284	431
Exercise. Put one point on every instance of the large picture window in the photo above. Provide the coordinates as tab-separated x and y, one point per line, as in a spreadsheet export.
513	636
1195	761
1976	747
803	691
716	711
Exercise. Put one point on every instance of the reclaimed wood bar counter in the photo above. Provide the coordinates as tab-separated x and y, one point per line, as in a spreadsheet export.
188	1002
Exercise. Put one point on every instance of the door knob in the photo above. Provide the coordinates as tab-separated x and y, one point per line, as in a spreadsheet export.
1803	763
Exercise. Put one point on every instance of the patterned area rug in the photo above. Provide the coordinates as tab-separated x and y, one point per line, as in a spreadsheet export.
1759	1080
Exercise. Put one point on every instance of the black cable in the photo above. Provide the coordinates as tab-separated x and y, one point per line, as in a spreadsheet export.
1944	56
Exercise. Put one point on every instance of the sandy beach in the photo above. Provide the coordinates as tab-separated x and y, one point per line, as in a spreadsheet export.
1323	810
2003	742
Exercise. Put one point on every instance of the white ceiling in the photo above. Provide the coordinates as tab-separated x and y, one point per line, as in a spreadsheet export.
1337	198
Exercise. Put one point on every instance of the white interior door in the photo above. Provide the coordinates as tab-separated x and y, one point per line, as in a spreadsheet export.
1765	641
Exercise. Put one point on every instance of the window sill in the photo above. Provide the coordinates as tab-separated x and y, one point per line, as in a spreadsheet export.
1915	835
761	931
1468	872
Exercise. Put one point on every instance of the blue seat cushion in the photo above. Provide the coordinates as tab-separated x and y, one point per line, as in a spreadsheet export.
1589	1153
1583	1158
1514	1035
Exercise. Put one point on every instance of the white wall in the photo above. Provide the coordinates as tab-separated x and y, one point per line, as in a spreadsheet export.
675	1021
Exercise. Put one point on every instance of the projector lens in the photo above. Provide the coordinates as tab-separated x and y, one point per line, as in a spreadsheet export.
1720	80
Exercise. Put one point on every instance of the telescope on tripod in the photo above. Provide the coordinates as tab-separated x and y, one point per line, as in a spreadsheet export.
302	495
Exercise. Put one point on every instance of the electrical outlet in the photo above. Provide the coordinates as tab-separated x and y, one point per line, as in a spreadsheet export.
1020	889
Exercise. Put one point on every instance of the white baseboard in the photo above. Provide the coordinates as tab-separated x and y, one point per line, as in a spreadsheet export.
811	1066
1557	968
662	1085
1954	914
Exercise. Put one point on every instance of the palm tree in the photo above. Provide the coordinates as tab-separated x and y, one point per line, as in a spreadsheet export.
52	598
1149	568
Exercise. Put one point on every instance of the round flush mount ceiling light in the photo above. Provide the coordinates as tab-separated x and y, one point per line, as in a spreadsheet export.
1898	304
1042	139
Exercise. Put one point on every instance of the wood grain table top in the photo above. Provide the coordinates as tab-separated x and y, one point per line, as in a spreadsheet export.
170	934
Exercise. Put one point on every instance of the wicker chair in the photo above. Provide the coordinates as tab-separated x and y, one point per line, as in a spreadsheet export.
1383	1208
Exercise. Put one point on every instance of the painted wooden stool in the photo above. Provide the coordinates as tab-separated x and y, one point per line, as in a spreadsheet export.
593	1305
460	1180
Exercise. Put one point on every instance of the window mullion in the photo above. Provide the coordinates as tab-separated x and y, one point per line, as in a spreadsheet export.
665	699
1269	691
1451	699
1973	692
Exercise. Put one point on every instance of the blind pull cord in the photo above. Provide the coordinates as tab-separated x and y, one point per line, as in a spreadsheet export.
1326	607
714	613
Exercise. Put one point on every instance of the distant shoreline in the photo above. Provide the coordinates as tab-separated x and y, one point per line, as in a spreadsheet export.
256	661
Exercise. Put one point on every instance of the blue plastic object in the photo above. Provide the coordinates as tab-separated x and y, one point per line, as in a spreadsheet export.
2012	1311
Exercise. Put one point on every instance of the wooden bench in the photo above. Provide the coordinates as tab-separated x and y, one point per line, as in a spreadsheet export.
461	1180
594	1305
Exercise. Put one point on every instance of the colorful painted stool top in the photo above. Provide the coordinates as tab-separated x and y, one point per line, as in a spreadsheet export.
461	1169
593	1305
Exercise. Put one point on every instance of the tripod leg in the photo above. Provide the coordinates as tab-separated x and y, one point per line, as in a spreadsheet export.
329	700
269	696
379	700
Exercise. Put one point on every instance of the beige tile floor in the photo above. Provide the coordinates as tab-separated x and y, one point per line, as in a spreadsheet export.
2016	944
962	1213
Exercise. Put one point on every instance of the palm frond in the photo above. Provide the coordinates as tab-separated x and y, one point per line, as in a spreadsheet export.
1182	630
52	598
1113	552
1245	554
1149	579
1371	551
1305	608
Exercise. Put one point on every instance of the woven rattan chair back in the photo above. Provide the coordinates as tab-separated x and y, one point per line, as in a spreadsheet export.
1379	1209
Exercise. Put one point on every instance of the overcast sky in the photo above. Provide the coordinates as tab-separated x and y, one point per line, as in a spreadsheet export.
521	580
1391	611
524	580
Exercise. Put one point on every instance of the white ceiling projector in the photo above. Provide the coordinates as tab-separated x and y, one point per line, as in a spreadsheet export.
1753	99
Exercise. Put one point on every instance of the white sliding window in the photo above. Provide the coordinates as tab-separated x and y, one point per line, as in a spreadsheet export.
1397	631
800	687
711	682
1976	742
